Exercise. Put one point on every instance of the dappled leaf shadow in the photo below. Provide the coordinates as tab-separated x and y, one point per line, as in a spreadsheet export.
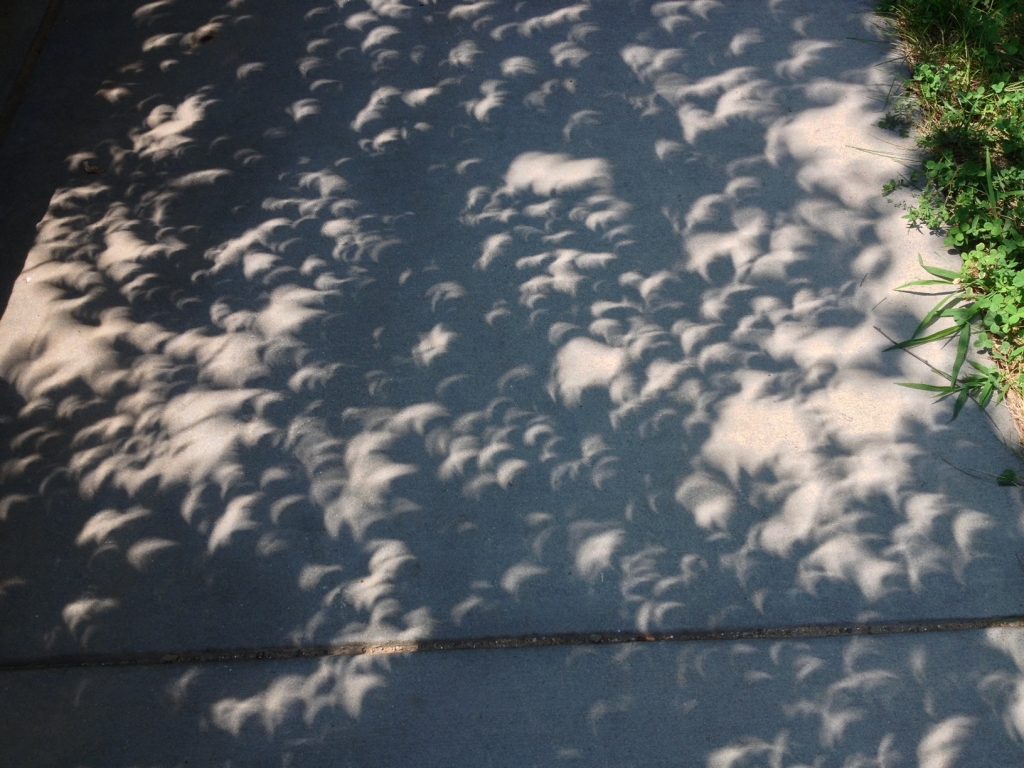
434	320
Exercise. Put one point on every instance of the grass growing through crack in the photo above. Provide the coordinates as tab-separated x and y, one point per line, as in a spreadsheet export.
967	85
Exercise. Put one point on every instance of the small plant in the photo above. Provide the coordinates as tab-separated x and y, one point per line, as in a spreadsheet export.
967	82
896	123
1008	477
900	114
956	305
892	185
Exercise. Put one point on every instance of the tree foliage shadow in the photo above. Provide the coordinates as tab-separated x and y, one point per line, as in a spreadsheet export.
459	320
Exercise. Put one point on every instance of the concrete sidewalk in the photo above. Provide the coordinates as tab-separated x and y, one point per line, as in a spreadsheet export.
363	326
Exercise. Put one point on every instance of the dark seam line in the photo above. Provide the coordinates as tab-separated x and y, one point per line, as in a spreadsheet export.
510	642
20	86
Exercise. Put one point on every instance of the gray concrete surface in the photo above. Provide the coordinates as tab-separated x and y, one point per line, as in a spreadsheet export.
389	321
928	701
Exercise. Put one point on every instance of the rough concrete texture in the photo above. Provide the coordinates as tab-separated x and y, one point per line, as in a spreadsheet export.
929	702
385	321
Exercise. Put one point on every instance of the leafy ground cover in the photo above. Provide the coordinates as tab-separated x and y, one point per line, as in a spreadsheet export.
965	99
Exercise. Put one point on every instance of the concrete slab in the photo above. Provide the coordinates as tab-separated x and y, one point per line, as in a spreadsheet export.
400	320
925	701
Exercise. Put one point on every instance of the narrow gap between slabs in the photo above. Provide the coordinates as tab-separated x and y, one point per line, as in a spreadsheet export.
511	642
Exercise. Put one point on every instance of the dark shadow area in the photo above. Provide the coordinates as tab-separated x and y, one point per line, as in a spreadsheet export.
60	117
383	321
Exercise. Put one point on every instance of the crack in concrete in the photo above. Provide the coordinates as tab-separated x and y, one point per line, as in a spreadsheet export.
509	642
19	87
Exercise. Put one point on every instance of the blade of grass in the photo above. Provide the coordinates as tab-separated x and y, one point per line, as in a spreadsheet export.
934	314
961	351
961	401
993	200
947	274
938	389
924	283
945	333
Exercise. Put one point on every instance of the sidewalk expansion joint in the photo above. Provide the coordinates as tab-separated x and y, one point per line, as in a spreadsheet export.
509	642
19	87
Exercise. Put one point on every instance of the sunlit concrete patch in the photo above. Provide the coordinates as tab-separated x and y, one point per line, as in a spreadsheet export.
433	344
753	431
550	174
583	364
168	126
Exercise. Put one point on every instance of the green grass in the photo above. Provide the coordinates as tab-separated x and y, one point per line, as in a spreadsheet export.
966	89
